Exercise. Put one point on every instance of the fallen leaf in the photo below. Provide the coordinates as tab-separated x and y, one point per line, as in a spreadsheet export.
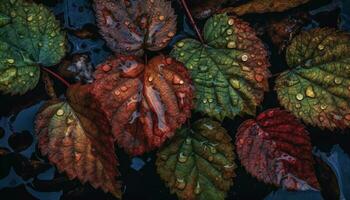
202	9
230	71
76	138
144	103
264	6
31	38
130	27
317	87
198	163
276	149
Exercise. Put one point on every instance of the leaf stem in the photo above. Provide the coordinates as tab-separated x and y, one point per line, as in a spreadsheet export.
193	23
56	76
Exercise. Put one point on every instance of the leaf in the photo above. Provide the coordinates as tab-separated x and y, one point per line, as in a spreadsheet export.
144	103
202	9
276	149
198	163
130	27
31	38
317	88
264	6
229	71
75	137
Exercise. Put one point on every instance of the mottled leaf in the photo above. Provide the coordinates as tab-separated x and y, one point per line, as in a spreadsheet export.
145	103
130	27
264	6
276	149
76	138
229	71
198	163
317	87
31	38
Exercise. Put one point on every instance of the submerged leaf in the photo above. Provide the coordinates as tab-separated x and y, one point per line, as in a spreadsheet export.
130	27
198	163
75	137
230	71
31	38
317	88
264	6
275	148
145	103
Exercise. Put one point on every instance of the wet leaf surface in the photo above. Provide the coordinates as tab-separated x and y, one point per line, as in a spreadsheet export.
77	140
317	87
275	148
32	38
145	103
263	6
130	27
198	163
229	71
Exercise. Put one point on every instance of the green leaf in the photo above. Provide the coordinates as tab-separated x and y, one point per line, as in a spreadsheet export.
31	37
229	71
317	88
198	163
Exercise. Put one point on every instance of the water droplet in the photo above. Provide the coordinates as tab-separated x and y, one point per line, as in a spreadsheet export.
182	157
188	140
347	117
40	17
161	17
177	80
229	31
321	119
320	47
10	60
205	101
53	34
244	57
40	44
180	183
13	14
235	83
245	68
213	149
259	77
69	120
298	105
61	44
310	92
299	96
231	45
31	74
150	79
338	80
60	112
197	190
30	18
124	88
231	22
117	93
180	44
323	106
210	100
182	54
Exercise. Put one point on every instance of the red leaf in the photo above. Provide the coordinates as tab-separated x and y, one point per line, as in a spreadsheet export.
276	149
75	137
129	27
145	104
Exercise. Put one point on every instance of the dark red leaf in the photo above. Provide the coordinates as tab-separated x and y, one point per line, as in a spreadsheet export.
276	149
145	104
130	27
76	138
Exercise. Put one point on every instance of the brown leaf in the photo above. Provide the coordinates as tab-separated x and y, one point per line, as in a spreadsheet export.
145	103
130	27
264	6
75	137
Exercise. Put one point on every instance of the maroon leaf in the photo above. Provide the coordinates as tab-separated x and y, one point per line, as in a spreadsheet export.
145	104
130	27
75	137
276	149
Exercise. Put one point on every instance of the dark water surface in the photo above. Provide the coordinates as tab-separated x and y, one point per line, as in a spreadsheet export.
26	175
